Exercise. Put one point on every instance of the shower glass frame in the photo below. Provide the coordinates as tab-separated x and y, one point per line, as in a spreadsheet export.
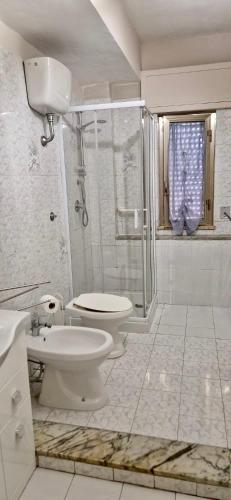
147	193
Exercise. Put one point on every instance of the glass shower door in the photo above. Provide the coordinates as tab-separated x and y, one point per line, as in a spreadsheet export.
148	202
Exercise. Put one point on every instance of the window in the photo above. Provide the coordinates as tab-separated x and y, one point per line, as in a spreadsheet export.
186	171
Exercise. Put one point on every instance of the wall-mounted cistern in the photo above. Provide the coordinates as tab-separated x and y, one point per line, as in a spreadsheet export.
48	89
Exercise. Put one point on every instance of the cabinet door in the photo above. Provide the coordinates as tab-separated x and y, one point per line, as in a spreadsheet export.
18	451
2	480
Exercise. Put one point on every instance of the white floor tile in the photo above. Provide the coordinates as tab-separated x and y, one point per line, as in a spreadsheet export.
200	343
133	377
162	381
47	484
72	417
123	395
39	412
131	492
200	316
223	332
202	370
203	431
115	418
204	386
170	340
171	330
87	488
162	424
201	407
174	315
140	338
223	345
196	331
159	401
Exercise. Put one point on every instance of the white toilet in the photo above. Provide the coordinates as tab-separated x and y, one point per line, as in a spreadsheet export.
104	311
72	356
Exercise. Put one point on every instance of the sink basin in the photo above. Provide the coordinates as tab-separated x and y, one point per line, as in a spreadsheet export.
10	323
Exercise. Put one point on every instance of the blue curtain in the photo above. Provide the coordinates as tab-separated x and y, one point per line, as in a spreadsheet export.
186	160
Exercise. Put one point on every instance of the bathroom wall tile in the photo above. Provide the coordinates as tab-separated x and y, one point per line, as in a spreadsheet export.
140	479
170	484
56	464
223	345
91	470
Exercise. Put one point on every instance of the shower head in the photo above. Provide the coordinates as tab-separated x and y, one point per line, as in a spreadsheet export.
83	127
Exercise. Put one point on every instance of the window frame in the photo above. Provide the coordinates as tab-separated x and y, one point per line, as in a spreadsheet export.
209	119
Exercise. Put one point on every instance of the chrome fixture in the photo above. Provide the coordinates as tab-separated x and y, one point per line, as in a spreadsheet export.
82	171
227	215
36	325
37	304
44	139
53	216
32	286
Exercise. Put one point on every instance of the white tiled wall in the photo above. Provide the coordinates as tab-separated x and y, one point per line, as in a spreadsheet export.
194	271
32	248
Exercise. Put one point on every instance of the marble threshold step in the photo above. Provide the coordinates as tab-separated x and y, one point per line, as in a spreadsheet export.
187	468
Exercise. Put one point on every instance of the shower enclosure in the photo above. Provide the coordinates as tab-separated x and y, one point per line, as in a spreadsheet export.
109	156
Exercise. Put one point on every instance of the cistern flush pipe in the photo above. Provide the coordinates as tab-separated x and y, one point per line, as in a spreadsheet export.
44	139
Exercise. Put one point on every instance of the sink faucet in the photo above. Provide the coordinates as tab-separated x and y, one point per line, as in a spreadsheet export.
36	325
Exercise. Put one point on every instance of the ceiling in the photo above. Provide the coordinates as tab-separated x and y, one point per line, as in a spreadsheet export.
71	31
158	19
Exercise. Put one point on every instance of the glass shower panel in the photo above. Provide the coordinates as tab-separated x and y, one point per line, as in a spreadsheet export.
149	219
112	152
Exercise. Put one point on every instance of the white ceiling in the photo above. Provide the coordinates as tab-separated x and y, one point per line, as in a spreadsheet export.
71	31
157	19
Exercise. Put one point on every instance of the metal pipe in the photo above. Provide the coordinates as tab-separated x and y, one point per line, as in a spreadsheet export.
24	286
44	139
34	305
18	294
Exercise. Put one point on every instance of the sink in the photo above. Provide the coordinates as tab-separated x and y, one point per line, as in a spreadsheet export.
10	323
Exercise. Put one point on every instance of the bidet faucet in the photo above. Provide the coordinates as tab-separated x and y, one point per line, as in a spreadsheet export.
36	325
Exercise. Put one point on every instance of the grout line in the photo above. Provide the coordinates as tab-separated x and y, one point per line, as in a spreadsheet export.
70	484
182	374
222	398
121	488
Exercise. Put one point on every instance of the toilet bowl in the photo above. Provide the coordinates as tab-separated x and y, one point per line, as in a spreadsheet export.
103	311
72	356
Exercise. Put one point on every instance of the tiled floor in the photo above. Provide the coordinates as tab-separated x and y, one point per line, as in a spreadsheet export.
174	382
52	485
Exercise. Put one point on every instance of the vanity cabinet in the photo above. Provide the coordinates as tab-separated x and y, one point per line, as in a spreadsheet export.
17	454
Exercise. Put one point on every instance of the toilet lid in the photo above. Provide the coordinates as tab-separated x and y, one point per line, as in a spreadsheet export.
103	302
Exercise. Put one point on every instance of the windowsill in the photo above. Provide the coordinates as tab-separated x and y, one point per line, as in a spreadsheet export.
193	237
200	228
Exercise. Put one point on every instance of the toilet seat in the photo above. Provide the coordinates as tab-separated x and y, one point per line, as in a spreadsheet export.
102	302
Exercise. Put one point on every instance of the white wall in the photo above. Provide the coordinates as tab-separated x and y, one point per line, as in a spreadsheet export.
115	18
194	271
13	42
187	88
194	50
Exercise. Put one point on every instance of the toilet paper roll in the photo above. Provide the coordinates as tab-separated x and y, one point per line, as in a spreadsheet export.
52	306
